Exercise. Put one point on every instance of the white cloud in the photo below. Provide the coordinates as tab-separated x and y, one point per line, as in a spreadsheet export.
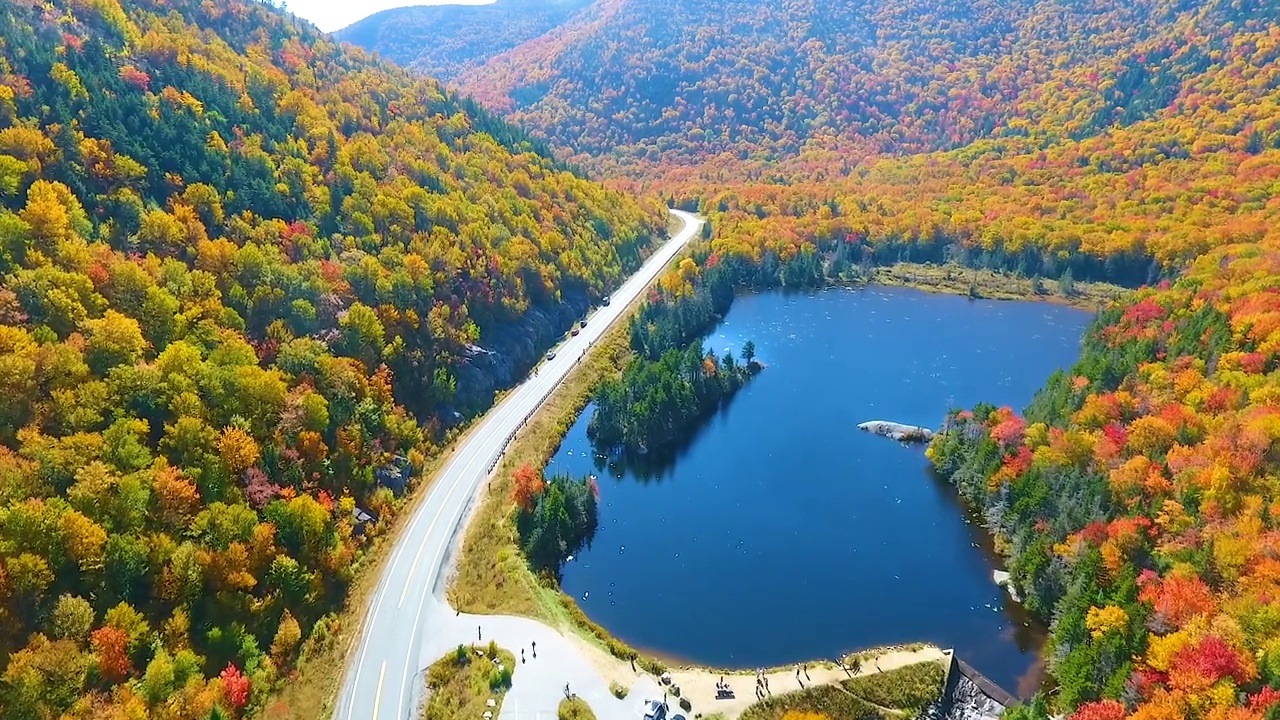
331	15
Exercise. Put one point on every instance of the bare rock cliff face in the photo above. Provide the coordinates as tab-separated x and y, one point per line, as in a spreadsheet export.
505	354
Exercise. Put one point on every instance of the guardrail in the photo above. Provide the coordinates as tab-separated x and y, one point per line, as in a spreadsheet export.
506	442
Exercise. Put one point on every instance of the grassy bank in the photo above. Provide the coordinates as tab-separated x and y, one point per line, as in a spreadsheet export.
460	684
897	694
992	285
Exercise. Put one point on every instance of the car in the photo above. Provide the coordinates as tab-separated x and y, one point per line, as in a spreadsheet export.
582	323
551	354
605	300
655	710
575	331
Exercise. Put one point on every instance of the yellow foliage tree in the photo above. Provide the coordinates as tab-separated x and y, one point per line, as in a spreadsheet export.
1102	620
238	449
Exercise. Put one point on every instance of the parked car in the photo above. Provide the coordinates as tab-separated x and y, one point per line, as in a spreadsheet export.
582	323
551	354
655	710
605	300
575	331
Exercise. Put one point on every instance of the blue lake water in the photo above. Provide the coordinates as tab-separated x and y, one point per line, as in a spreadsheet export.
781	533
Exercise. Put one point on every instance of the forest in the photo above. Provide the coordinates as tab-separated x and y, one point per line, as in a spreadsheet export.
1136	499
643	88
442	41
657	402
1116	140
244	274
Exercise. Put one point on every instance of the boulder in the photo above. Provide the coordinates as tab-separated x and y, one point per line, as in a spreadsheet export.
898	431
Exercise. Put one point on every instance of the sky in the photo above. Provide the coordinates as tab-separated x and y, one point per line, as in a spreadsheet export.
330	15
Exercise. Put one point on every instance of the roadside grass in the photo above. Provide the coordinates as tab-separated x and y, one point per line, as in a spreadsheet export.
898	694
460	684
491	576
574	709
992	285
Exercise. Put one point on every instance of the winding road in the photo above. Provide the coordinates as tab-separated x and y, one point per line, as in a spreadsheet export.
410	625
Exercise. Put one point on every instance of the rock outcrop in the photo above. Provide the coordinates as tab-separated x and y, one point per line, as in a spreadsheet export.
505	353
1004	580
898	431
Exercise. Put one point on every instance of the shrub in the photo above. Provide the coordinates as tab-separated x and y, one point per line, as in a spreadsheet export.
685	704
461	656
574	709
500	679
619	691
652	666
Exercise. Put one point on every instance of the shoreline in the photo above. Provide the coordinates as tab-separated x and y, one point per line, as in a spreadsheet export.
989	285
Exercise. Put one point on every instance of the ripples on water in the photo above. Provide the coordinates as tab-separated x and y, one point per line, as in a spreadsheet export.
779	532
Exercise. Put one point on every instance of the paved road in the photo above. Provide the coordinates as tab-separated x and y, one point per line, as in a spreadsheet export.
410	625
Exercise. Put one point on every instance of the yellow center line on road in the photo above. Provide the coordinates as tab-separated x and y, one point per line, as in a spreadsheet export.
377	696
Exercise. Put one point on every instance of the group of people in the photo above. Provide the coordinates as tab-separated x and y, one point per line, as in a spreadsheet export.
723	689
762	684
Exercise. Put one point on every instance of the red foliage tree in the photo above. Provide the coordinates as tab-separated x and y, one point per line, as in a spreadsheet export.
112	648
236	686
1264	699
1101	710
1213	659
528	486
1008	428
1179	599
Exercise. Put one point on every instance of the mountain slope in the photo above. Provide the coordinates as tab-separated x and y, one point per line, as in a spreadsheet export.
673	82
445	40
241	268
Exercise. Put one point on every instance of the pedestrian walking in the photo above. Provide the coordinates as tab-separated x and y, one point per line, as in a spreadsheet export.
478	638
534	644
521	656
806	673
766	686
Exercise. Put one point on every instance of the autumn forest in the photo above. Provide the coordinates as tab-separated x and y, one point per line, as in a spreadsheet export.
1135	143
253	279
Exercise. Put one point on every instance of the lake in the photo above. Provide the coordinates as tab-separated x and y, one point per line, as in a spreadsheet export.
780	532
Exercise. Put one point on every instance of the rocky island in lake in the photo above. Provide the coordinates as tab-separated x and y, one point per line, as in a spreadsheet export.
898	431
